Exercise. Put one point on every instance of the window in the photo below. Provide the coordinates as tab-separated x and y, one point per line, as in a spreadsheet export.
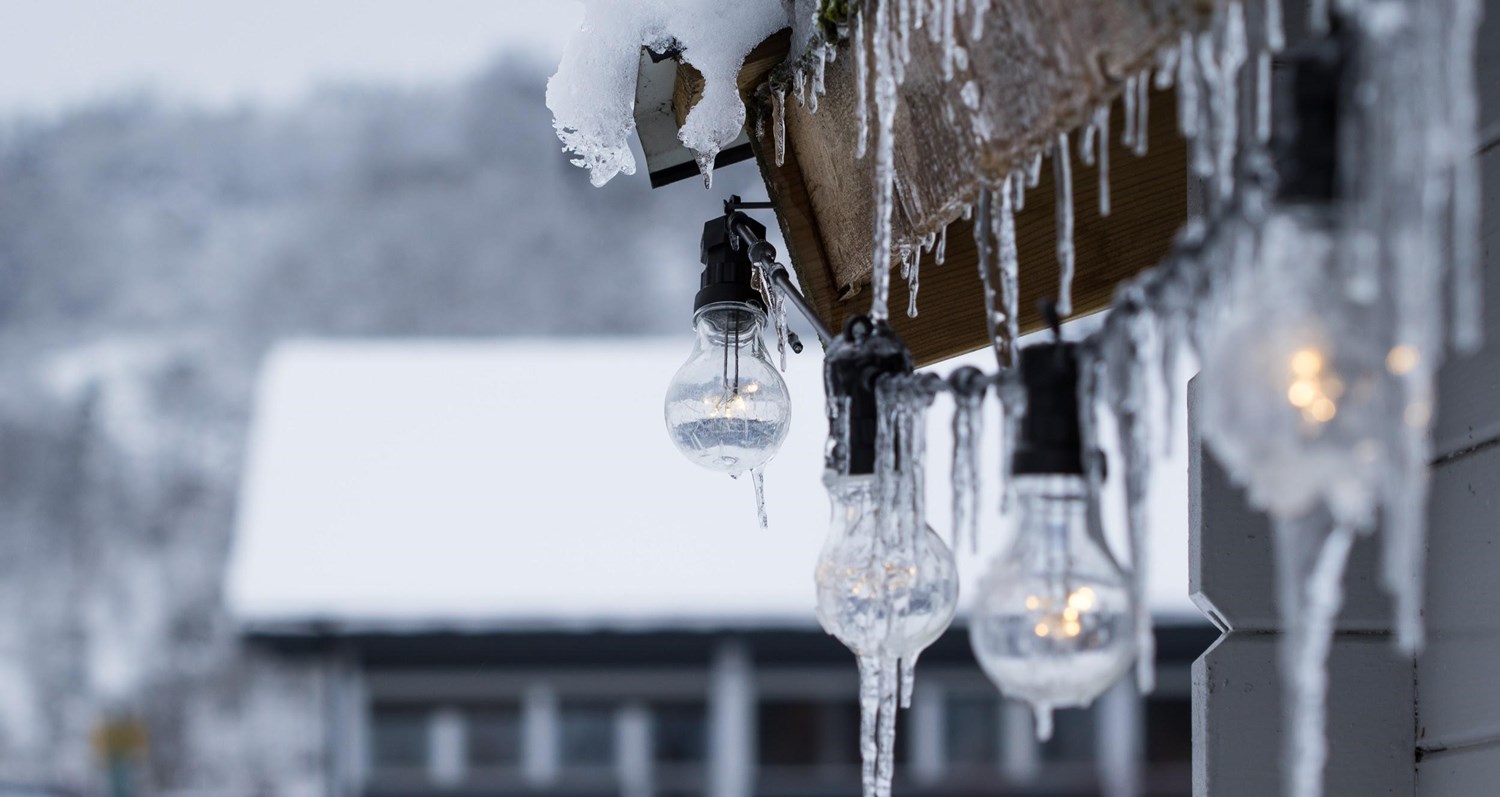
494	736
679	733
806	733
398	737
971	727
588	735
1169	729
1072	737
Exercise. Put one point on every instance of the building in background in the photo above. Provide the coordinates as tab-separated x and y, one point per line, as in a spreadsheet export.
483	581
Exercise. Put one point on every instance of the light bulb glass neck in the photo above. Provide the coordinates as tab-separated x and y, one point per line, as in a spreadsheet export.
1057	487
1053	517
847	490
730	323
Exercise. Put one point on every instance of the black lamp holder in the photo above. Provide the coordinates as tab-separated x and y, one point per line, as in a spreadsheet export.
1051	434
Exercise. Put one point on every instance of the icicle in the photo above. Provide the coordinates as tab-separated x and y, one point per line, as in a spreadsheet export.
778	124
1142	115
1467	279
1127	133
1086	143
885	156
901	47
908	679
942	246
1187	88
1018	193
758	478
1043	713
799	86
886	739
982	258
1317	17
1225	98
1128	364
1034	170
1263	97
1102	121
950	41
869	714
1275	28
861	77
1062	174
1008	258
967	422
1310	569
913	282
976	18
1166	68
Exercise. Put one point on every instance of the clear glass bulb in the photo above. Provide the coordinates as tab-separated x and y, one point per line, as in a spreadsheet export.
881	599
727	407
1054	622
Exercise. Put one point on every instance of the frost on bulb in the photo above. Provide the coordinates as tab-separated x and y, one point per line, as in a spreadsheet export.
1299	380
727	409
882	597
1053	624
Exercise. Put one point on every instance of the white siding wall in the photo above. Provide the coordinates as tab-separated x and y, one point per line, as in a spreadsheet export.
1429	728
1458	678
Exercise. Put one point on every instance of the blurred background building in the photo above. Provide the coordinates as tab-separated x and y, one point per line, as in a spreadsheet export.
465	560
494	607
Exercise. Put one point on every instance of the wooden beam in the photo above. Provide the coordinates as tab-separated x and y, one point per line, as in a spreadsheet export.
824	194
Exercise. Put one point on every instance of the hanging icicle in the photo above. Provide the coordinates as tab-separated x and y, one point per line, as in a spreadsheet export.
1062	174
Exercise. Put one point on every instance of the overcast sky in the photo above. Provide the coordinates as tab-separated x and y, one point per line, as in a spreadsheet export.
56	54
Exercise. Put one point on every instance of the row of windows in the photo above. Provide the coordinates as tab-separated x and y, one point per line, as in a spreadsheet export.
791	733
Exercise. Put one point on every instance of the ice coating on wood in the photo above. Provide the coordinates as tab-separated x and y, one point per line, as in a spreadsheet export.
593	92
861	86
778	124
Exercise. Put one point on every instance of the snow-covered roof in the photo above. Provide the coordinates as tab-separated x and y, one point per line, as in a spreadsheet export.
531	485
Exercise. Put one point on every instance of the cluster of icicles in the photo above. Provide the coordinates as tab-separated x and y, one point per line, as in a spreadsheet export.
1319	330
1319	376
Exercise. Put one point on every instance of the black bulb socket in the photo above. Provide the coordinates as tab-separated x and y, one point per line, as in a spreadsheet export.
728	271
865	353
1310	90
1051	434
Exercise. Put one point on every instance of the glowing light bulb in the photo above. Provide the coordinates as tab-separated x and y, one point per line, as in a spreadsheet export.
879	596
727	408
1054	623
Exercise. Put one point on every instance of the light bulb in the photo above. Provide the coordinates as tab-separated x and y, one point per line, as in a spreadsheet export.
1053	624
882	597
727	407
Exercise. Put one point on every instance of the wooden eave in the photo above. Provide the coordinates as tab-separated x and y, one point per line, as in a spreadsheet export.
823	193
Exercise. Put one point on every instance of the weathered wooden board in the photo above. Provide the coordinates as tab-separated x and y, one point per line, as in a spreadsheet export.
1042	67
824	193
1149	204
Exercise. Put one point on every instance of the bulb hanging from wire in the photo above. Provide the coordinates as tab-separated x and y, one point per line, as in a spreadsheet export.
1054	623
727	408
887	585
